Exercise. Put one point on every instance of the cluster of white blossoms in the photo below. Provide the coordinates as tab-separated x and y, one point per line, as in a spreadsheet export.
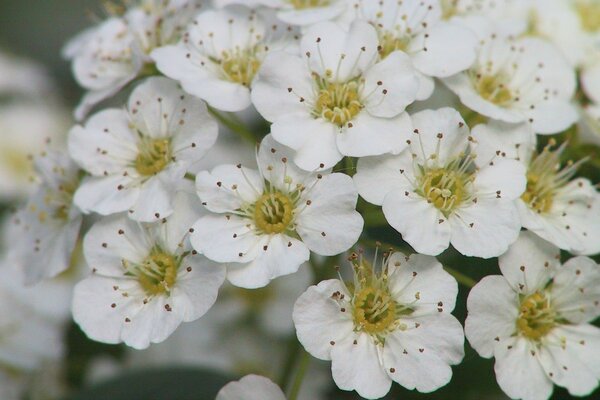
459	123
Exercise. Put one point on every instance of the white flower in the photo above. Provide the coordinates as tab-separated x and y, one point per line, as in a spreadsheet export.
251	387
337	99
27	338
298	12
138	157
43	233
558	208
507	11
437	48
535	321
23	78
388	325
109	56
517	80
434	195
26	130
220	54
265	222
146	279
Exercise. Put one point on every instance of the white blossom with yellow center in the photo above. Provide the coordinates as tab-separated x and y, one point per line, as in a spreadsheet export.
266	222
138	157
535	320
435	195
517	80
220	54
109	56
146	279
437	48
43	233
556	205
337	99
390	324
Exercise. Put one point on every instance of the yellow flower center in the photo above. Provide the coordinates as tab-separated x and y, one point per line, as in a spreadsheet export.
157	274
374	310
337	102
304	4
447	188
153	155
494	88
536	196
273	212
240	65
589	14
388	43
536	317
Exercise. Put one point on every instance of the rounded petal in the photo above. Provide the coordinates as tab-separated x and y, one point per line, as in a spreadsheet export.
498	139
156	195
319	320
226	188
529	263
485	229
377	176
519	372
251	387
493	309
106	195
505	178
330	224
417	221
355	365
372	136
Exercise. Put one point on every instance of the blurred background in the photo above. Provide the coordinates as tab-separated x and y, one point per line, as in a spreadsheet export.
247	332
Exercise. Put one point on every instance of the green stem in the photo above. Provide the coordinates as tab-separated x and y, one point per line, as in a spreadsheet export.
461	278
300	374
236	127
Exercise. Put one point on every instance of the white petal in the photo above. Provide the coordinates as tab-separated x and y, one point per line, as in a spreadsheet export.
377	176
197	286
319	320
529	263
553	116
493	308
226	238
417	221
278	255
330	224
497	139
505	178
421	281
332	48
415	365
226	188
280	72
391	85
313	139
371	136
576	290
485	229
564	368
518	372
106	195
251	387
428	124
157	194
275	164
450	49
358	366
583	342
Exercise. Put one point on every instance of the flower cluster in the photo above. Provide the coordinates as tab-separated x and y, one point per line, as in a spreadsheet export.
462	124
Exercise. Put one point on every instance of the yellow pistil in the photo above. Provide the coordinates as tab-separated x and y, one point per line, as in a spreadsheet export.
448	187
589	14
304	4
273	212
536	317
240	65
494	89
337	102
545	179
449	8
374	310
388	43
154	155
157	274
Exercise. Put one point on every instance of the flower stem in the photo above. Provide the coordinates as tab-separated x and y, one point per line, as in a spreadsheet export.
234	125
461	278
300	374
